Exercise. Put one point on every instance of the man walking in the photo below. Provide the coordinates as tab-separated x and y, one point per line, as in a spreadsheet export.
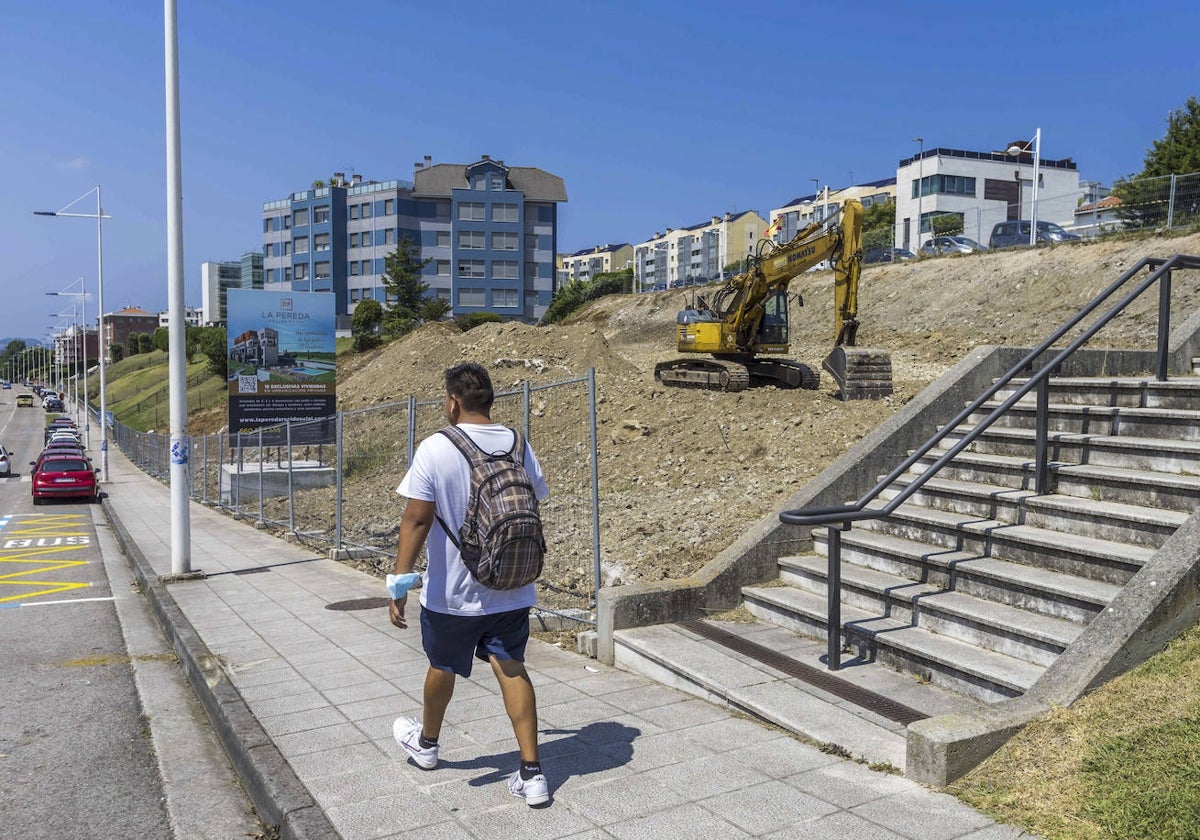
461	619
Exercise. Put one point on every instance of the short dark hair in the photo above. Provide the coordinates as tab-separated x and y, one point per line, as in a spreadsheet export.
472	386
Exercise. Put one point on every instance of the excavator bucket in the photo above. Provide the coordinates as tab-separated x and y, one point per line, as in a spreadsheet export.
861	373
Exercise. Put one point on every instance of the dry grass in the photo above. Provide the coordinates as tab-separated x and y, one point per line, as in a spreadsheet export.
1123	762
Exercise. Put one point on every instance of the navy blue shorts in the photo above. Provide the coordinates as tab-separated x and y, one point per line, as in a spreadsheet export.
452	641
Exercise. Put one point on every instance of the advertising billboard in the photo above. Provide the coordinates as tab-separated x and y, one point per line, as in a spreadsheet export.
282	365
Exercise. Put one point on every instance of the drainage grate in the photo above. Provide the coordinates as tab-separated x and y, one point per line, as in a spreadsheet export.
823	680
359	604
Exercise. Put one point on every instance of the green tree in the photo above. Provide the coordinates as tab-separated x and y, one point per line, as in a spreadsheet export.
213	345
879	225
115	353
405	289
364	324
133	344
473	319
574	294
434	309
145	343
161	339
1145	196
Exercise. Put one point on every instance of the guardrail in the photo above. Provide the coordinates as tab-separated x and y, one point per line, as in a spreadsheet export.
840	517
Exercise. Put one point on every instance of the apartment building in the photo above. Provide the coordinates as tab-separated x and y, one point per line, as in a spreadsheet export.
119	325
695	254
800	212
586	264
980	189
217	278
488	231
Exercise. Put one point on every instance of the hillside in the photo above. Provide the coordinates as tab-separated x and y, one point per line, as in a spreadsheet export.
683	472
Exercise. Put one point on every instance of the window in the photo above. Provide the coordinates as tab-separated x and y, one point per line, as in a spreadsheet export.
471	240
471	297
267	250
496	181
287	247
366	210
470	211
270	276
366	267
321	270
354	240
443	239
504	269
509	298
301	272
355	295
300	245
365	239
300	217
287	274
287	222
443	294
443	268
353	268
389	207
531	241
504	241
927	220
266	225
504	212
353	211
320	241
945	185
471	268
320	215
443	210
389	236
530	271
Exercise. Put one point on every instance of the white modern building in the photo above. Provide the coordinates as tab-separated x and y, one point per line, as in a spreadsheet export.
980	189
800	212
586	264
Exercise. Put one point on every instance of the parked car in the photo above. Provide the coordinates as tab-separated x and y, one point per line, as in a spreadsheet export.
5	385
52	404
24	400
64	477
878	255
951	245
1007	234
5	461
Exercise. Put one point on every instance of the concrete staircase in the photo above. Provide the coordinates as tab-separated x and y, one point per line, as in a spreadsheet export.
970	589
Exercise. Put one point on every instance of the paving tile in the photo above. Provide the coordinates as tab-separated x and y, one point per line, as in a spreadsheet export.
686	822
707	776
316	740
767	807
615	800
847	785
300	721
840	825
924	814
340	695
339	760
404	813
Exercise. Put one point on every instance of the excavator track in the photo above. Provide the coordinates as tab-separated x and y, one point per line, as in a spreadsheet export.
861	373
710	374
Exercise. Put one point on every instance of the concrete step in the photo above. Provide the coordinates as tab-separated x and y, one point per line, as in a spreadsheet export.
1113	521
1172	491
1181	392
987	624
1176	424
678	657
946	662
1032	588
1156	454
1074	554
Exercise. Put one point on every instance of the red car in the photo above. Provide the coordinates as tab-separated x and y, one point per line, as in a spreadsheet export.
64	476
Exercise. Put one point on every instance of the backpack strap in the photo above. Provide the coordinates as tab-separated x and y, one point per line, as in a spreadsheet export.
470	450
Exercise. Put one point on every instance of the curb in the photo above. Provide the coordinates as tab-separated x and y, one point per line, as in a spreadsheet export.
278	795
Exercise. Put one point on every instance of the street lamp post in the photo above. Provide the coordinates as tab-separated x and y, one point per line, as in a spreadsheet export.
816	192
1016	149
99	217
920	187
82	295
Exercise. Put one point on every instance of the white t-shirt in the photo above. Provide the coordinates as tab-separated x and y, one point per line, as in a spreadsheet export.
442	475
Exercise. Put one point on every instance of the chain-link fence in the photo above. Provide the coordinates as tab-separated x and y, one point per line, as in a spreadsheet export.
343	494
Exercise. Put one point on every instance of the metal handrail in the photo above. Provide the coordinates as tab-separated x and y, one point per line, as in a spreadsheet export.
839	517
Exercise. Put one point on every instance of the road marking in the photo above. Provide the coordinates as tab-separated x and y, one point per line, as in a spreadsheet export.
33	541
9	606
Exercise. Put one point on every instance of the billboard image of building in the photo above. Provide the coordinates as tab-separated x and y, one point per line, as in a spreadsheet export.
282	370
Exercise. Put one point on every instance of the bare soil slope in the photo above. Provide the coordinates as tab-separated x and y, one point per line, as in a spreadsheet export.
683	472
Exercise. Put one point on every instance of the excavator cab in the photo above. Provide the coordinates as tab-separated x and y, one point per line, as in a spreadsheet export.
774	327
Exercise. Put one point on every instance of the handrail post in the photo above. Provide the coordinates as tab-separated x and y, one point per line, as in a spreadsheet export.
1164	323
1042	438
833	597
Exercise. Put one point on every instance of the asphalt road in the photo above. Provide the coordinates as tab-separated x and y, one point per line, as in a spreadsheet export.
82	721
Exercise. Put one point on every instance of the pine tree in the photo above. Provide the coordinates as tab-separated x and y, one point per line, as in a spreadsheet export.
405	289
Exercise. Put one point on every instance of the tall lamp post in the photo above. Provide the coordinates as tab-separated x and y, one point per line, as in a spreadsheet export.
1023	146
99	217
920	187
82	295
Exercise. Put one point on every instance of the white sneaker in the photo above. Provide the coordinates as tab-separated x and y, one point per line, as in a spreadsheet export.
407	733
534	791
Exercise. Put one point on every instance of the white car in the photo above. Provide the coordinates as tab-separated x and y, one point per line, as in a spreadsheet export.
5	462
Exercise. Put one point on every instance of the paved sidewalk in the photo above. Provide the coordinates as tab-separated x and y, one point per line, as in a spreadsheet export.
304	698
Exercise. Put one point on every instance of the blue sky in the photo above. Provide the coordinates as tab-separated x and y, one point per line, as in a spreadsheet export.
655	114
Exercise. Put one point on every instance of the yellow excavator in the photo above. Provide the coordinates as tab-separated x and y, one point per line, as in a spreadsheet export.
729	338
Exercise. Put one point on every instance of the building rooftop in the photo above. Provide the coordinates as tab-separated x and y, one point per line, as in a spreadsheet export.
437	181
995	157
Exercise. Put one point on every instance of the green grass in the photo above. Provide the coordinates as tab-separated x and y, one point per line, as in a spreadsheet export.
1122	762
139	390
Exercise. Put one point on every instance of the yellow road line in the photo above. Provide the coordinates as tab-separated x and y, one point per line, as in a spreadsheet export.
51	587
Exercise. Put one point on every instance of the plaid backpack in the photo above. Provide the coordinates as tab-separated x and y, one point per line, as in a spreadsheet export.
501	539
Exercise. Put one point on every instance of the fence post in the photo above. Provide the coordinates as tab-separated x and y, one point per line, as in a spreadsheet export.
833	601
237	487
594	458
204	472
1041	440
337	528
261	521
220	467
525	404
1171	204
291	493
412	427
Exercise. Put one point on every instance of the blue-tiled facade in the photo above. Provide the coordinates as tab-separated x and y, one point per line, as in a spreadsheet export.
488	231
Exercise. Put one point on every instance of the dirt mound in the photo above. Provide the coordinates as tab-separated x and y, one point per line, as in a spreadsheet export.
683	472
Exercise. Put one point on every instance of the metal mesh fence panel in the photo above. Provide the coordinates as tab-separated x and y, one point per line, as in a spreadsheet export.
374	457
